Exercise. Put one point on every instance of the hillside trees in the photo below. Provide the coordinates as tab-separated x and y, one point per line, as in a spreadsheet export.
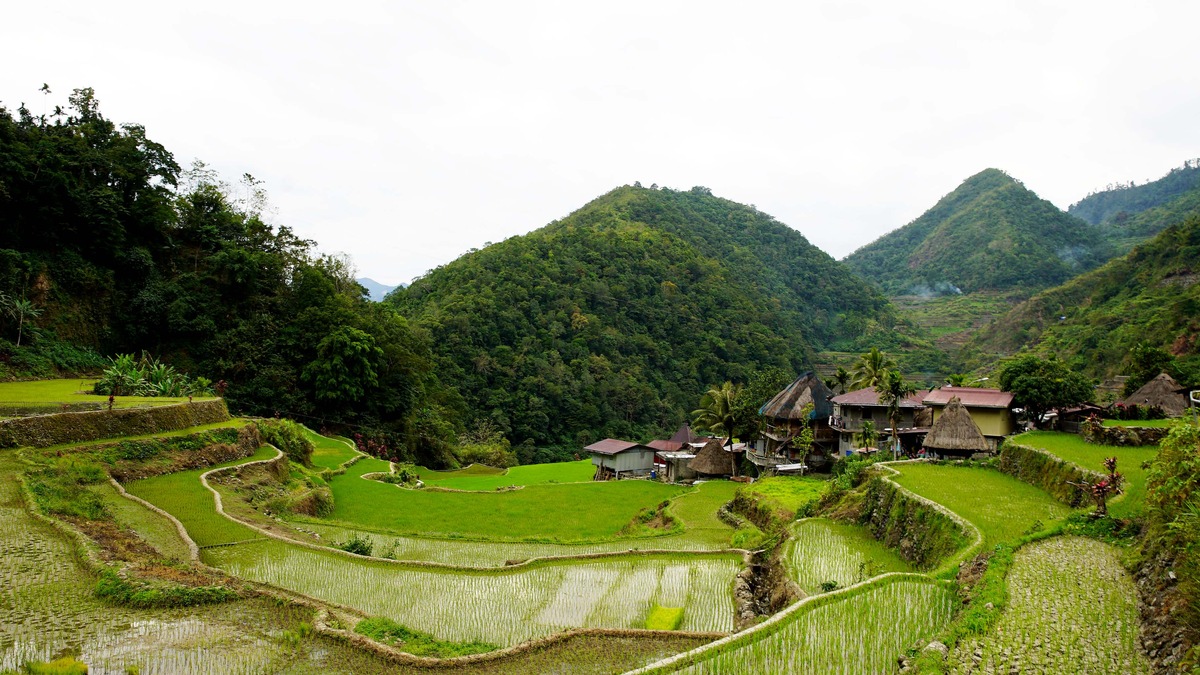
1040	385
611	321
126	252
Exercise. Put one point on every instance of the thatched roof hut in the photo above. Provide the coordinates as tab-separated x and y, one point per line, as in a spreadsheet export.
955	432
1164	392
713	459
685	436
787	404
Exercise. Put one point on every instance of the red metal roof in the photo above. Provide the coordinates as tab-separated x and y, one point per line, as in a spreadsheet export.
972	397
666	446
870	397
612	446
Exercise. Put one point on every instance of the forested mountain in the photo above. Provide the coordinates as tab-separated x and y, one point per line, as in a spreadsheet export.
1127	215
991	233
1141	307
1121	201
613	320
114	249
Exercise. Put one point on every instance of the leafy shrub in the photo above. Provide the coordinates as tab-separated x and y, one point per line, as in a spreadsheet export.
147	376
289	437
67	665
113	588
61	489
404	474
357	544
416	643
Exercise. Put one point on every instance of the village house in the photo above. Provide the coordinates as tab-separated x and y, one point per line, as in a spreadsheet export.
954	433
673	456
1162	392
615	459
785	417
852	409
989	409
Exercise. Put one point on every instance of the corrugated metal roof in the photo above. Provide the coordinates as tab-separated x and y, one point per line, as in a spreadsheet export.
971	397
665	446
612	446
870	397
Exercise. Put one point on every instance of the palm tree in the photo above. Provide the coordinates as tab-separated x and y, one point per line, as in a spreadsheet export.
871	368
718	413
842	377
868	436
20	310
892	392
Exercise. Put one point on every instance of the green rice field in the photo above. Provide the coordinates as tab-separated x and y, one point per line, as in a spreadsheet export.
329	453
1002	507
859	632
477	477
583	512
182	495
788	492
500	607
52	394
1072	609
1074	449
822	550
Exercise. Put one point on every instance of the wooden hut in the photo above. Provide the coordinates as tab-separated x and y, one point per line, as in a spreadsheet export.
784	419
955	433
714	460
615	458
1162	392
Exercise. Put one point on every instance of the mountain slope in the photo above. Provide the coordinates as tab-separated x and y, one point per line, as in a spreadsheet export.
1121	201
991	233
1144	211
612	321
375	290
1151	297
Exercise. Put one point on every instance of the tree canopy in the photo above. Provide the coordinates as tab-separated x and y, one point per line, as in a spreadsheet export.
1040	385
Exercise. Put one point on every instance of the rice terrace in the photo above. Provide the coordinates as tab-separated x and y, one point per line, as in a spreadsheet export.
180	539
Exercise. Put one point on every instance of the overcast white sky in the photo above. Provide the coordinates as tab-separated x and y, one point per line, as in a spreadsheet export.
404	133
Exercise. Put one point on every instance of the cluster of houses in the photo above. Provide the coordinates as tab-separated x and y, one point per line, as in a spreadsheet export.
945	422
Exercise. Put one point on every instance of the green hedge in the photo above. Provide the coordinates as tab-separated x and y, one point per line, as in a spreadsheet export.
921	534
1043	470
80	427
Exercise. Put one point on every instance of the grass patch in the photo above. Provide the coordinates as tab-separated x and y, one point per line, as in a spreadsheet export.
571	513
479	477
664	618
55	393
417	643
697	510
329	453
182	495
789	493
1002	507
1074	449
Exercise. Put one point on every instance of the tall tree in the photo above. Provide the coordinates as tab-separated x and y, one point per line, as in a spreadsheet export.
871	369
718	412
1040	385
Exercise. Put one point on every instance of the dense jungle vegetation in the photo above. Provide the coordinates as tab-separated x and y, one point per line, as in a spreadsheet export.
112	248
